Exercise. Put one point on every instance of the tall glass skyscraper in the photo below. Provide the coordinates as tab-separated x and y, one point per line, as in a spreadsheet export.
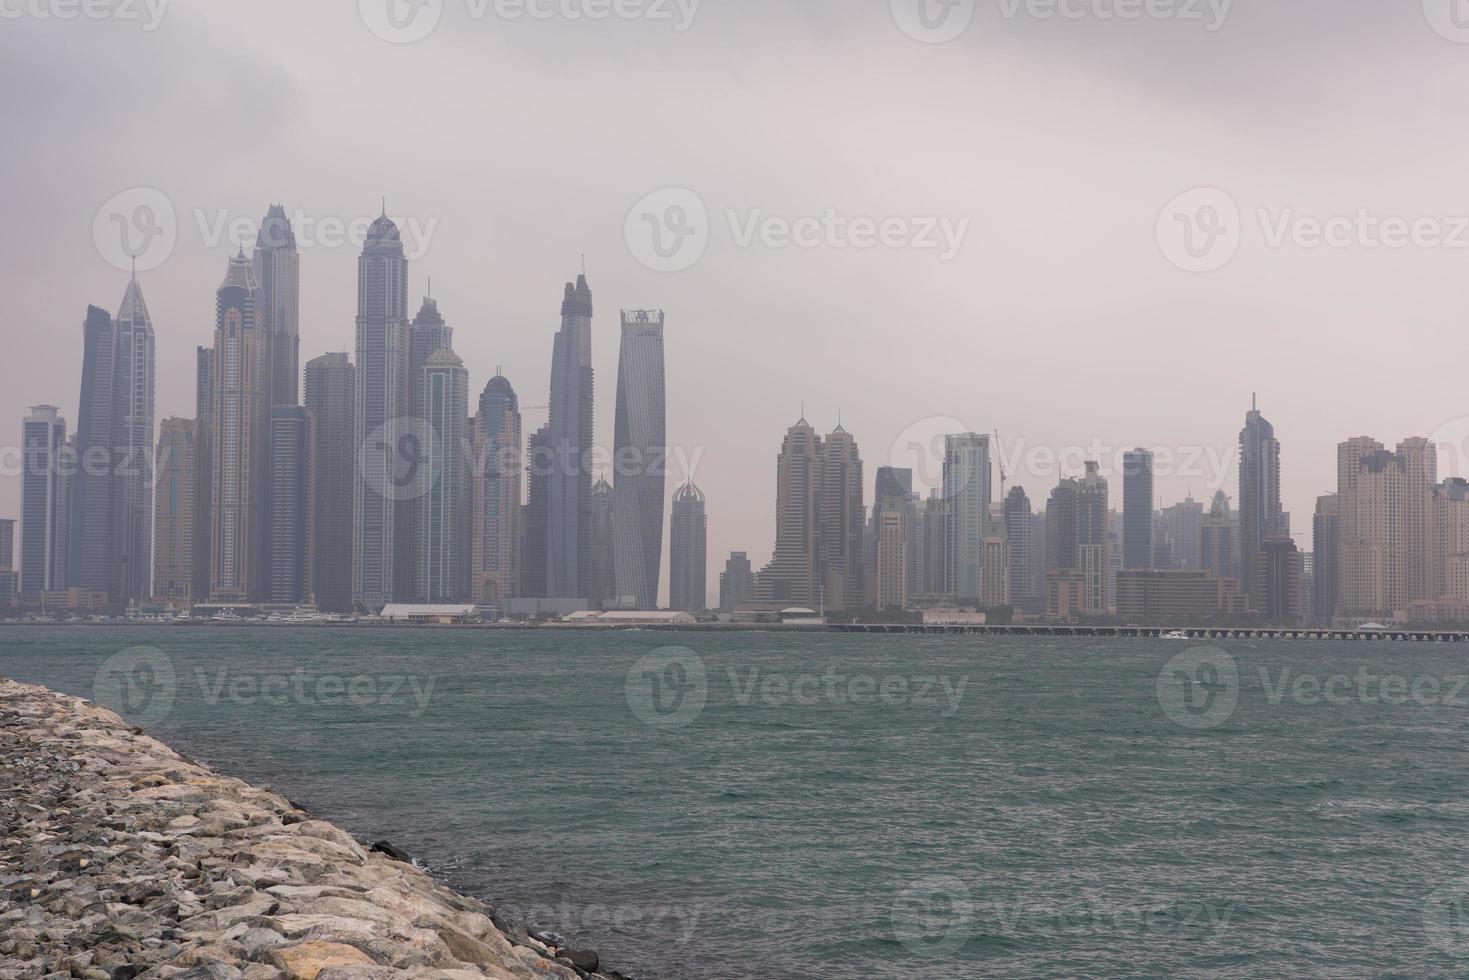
966	489
278	273
639	458
495	575
330	386
43	504
1260	516
135	387
688	553
291	507
379	508
569	524
240	533
1137	509
443	510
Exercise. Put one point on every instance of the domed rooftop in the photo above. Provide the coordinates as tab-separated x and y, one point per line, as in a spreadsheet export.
688	492
383	232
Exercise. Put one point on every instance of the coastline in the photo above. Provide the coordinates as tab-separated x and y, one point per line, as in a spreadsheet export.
123	859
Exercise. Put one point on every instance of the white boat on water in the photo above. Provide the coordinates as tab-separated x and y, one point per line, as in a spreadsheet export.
1176	635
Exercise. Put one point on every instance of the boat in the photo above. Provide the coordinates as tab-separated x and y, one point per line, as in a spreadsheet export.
1176	635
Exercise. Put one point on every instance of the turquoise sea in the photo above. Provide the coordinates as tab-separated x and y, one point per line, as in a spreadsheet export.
770	805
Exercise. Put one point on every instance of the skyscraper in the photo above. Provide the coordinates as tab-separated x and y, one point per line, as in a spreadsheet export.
1259	492
1216	539
736	582
569	518
688	554
428	334
9	584
1092	540
330	400
895	560
1137	509
173	520
793	574
94	534
1326	544
639	454
278	273
443	511
1183	528
536	515
604	564
135	387
842	517
381	512
202	532
292	507
496	500
43	531
240	533
1018	531
1383	499
967	493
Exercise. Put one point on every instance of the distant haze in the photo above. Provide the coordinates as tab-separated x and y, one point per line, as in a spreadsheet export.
517	146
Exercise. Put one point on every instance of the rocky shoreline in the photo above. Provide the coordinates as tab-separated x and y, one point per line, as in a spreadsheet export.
122	859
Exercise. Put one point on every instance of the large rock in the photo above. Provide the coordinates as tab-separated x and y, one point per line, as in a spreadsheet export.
305	960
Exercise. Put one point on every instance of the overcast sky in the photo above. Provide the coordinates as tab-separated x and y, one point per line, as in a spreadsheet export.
1063	318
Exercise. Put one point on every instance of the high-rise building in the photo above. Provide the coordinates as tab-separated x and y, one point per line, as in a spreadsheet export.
1326	563
536	515
278	273
202	532
892	555
688	552
842	520
135	387
1137	509
995	576
93	535
736	582
966	485
794	572
1217	554
1061	527
175	498
495	570
43	528
936	545
330	396
1018	530
1448	542
292	504
381	512
1093	540
444	509
241	538
1384	500
428	334
894	563
1183	527
9	582
1277	596
569	518
604	547
1260	513
639	454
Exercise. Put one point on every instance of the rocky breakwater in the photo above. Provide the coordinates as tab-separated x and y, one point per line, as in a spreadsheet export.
122	859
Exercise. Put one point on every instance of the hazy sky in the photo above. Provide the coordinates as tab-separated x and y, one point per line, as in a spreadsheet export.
1055	143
